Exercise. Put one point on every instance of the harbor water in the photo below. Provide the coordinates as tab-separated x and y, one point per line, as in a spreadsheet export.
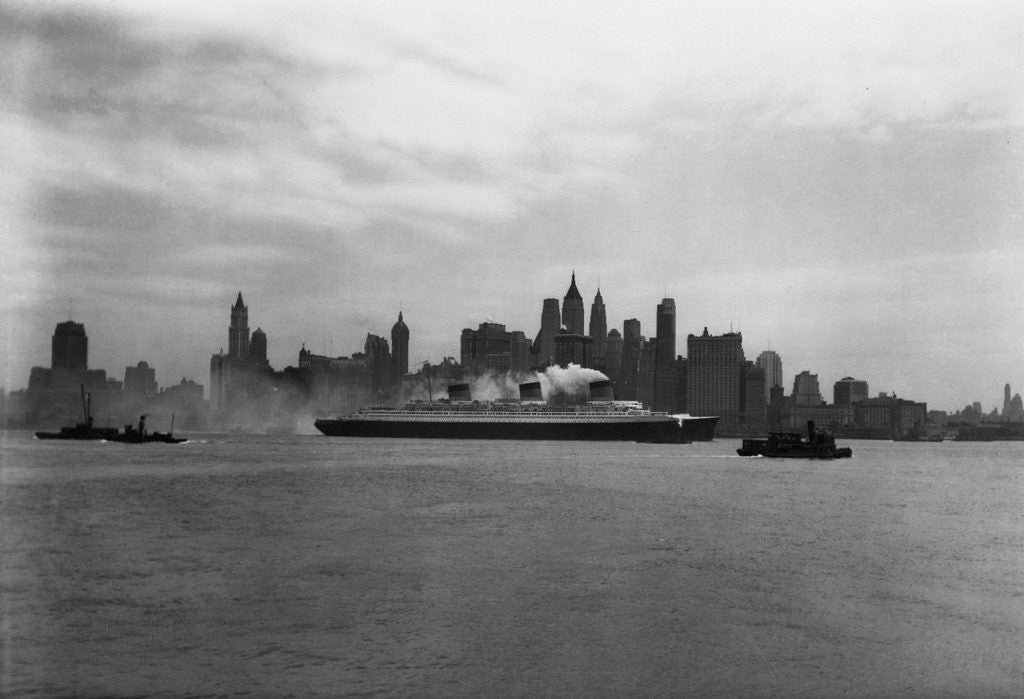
306	565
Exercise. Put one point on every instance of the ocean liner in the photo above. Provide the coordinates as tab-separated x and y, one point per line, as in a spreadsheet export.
530	417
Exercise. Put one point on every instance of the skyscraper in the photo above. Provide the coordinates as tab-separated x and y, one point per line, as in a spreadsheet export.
378	359
754	403
613	360
238	332
550	324
645	383
572	309
258	347
665	357
806	390
399	349
771	362
632	343
714	365
140	380
598	329
69	347
848	390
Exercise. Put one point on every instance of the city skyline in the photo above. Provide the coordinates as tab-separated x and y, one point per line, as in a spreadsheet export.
841	183
245	345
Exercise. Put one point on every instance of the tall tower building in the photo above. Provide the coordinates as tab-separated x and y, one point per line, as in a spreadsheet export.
69	347
238	332
378	359
771	362
645	382
806	390
550	324
665	357
714	365
572	309
613	360
848	390
399	349
140	380
258	347
598	328
753	403
632	344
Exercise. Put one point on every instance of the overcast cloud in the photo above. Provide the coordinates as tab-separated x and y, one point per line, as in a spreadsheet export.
840	181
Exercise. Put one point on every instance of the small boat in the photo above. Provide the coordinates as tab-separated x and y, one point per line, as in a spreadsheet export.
84	429
139	435
791	445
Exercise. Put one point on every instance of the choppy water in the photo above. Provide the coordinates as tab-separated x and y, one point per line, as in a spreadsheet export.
300	566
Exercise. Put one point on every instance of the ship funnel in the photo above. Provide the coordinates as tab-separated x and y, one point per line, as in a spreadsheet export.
459	391
530	391
601	390
810	430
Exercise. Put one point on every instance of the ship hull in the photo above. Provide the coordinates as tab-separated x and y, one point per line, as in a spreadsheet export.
661	431
699	429
81	433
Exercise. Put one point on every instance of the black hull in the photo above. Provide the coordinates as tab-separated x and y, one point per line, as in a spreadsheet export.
699	429
646	431
148	439
72	433
756	447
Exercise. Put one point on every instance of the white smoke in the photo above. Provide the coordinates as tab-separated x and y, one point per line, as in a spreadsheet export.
492	387
569	384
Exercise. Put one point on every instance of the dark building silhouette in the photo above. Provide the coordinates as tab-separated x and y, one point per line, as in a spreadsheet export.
238	331
493	348
888	415
599	331
632	343
550	325
713	367
140	381
519	350
613	360
645	372
54	393
69	347
243	372
258	347
806	390
754	403
336	385
399	349
69	364
378	357
771	362
681	405
572	309
573	348
848	390
665	357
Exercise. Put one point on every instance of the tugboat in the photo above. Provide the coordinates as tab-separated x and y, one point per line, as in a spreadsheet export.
84	429
791	445
132	435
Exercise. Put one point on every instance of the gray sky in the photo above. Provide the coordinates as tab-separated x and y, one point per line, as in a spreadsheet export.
842	182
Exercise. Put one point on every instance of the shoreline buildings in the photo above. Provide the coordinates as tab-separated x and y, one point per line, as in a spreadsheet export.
713	378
